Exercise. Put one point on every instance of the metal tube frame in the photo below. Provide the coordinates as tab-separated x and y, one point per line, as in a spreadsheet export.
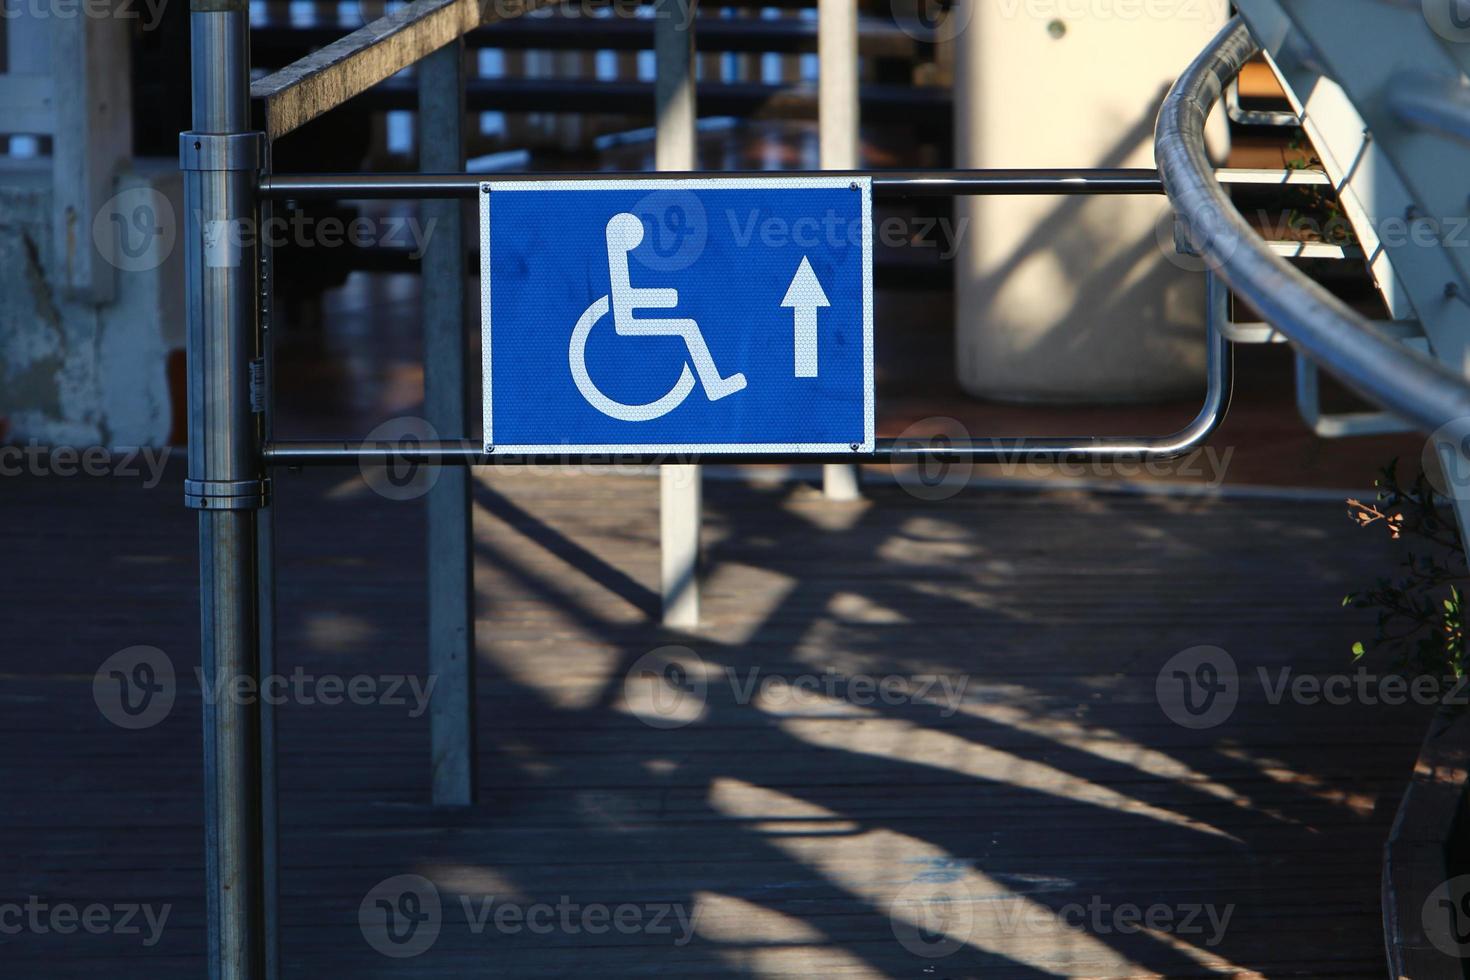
895	184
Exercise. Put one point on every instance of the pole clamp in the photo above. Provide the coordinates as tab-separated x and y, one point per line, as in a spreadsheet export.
221	151
227	494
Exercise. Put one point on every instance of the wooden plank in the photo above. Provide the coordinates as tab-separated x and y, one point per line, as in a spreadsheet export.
792	831
324	79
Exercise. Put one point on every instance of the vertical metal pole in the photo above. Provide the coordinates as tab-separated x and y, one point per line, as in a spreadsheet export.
450	534
221	160
674	149
837	125
269	808
266	571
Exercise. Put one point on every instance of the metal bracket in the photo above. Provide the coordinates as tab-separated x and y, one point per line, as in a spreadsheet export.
1344	425
221	151
1308	402
1218	307
1275	118
227	495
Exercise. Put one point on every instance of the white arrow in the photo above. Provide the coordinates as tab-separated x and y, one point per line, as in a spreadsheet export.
804	295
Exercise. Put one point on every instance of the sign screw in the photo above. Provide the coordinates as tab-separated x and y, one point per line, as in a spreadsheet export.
853	447
853	186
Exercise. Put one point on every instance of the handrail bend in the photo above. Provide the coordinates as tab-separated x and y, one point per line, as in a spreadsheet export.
1343	342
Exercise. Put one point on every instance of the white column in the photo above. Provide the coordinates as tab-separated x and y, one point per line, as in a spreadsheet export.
679	486
837	122
92	141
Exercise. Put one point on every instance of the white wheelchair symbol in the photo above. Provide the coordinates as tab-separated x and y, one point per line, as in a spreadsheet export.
624	234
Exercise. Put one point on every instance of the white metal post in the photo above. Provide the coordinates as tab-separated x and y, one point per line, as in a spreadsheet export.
837	124
674	149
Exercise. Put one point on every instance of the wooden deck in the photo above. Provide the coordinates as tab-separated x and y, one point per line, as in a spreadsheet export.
804	838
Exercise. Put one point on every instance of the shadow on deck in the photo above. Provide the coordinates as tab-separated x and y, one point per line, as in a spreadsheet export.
912	738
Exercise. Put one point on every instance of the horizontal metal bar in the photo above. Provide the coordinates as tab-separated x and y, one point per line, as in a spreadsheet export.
1009	450
895	183
326	78
1342	341
307	453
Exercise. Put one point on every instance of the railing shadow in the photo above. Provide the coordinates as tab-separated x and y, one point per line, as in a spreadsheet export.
807	829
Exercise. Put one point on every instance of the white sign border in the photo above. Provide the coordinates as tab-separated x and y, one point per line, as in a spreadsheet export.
489	188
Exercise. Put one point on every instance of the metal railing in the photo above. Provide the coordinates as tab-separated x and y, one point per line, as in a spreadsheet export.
896	184
889	183
1367	359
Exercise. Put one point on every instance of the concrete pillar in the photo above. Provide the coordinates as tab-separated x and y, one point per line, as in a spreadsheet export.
1072	300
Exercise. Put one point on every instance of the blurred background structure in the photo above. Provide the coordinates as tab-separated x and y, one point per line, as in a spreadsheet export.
91	356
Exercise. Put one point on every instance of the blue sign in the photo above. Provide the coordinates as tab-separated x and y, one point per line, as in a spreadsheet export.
686	315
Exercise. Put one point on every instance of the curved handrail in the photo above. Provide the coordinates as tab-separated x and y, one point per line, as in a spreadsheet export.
1343	342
